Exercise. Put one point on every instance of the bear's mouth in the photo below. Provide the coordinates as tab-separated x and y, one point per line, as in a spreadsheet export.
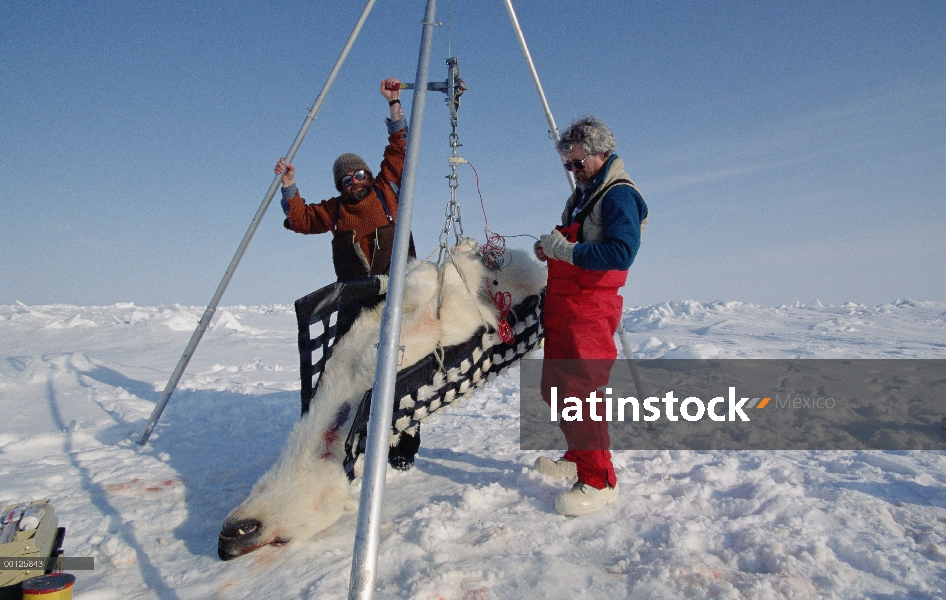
242	537
229	551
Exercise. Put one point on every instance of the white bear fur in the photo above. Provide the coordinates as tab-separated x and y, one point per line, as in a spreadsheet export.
307	489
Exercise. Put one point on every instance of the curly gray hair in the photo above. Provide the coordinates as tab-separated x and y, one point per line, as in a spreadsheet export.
591	134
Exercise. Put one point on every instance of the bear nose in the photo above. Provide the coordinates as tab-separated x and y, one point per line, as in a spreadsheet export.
238	530
236	538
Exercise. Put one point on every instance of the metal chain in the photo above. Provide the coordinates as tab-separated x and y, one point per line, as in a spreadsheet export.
453	222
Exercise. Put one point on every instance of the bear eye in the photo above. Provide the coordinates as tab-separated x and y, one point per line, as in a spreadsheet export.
495	282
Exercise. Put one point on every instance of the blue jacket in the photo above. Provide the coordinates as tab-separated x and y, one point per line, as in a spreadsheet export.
611	232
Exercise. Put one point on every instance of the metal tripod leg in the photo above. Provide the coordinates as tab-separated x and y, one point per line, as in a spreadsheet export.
234	263
626	345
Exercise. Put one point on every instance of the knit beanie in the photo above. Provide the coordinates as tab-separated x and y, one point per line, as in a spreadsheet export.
345	164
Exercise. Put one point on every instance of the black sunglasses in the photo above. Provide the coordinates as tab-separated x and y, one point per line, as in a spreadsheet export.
358	175
575	165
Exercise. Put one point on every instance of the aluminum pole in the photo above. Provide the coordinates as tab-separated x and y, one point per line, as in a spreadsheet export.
364	564
212	307
553	128
635	374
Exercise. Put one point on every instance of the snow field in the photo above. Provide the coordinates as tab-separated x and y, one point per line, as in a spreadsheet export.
470	521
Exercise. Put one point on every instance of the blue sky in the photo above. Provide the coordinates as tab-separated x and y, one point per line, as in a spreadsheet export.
787	150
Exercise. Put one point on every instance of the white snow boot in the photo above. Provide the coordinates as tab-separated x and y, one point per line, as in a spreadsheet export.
583	499
556	469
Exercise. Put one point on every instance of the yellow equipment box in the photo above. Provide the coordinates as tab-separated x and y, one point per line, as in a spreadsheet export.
30	542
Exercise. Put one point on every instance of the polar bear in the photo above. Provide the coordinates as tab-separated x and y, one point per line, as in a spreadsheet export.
307	489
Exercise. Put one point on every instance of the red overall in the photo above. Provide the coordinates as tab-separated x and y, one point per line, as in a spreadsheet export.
581	313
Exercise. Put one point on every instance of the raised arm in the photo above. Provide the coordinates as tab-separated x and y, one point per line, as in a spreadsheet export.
391	90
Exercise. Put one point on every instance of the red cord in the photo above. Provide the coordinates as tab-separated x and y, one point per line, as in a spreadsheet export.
480	193
495	246
503	302
493	251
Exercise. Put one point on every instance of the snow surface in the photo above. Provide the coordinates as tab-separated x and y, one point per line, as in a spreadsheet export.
470	521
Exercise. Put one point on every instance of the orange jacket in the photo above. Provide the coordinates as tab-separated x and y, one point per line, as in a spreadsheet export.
362	218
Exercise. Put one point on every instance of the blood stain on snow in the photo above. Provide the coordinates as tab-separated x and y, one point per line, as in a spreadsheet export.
218	593
135	486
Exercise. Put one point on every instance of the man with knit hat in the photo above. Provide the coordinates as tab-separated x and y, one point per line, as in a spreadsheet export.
362	218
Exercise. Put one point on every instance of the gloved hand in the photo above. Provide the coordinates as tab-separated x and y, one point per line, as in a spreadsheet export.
554	245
